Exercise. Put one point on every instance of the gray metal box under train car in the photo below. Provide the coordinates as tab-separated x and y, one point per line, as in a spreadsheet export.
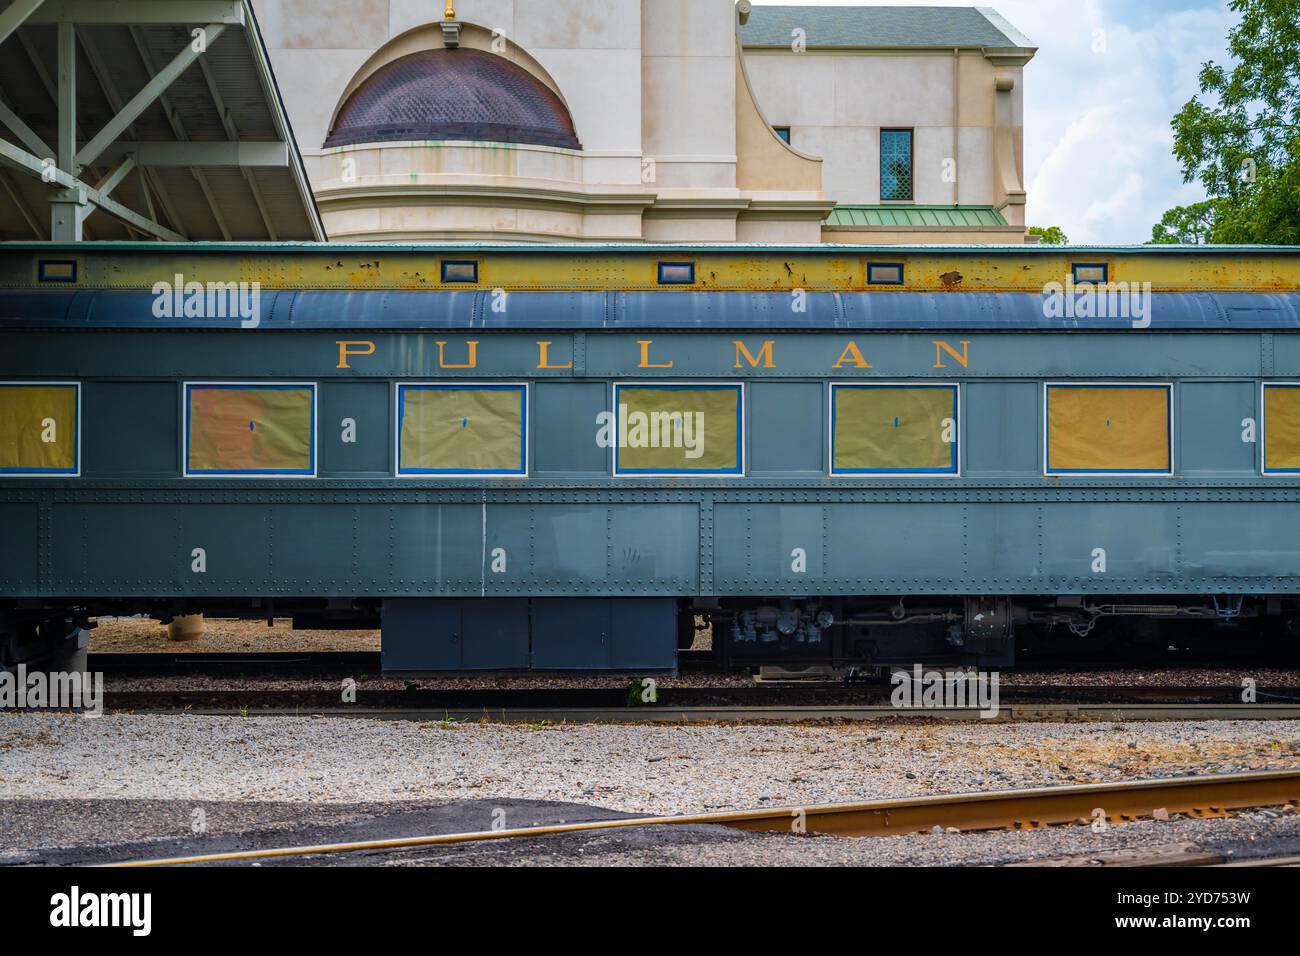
833	474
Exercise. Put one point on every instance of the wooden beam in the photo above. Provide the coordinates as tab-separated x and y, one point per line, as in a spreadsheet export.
142	12
32	223
149	95
190	153
15	15
67	101
24	132
113	179
35	166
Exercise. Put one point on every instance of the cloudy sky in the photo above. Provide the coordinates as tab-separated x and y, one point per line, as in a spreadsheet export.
1098	147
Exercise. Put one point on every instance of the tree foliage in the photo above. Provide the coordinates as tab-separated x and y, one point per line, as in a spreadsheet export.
1241	137
1050	235
1187	225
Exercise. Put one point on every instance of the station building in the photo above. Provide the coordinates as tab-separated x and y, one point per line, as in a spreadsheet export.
518	120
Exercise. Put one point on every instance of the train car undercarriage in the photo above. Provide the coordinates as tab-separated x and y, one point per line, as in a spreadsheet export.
643	635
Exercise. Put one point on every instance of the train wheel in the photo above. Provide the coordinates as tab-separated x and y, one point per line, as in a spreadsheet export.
58	645
71	653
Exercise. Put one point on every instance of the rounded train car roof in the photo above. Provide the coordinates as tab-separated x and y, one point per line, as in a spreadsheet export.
372	311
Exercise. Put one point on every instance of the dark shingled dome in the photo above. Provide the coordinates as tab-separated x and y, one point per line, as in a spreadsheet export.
457	94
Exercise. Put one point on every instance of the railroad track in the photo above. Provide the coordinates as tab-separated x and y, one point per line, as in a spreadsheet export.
1117	803
222	664
295	662
369	662
319	677
709	715
686	705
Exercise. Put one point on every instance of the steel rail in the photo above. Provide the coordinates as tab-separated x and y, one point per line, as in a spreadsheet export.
1120	802
342	663
1007	713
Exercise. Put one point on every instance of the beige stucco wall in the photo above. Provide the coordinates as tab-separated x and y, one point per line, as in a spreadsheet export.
765	163
836	103
688	116
592	52
675	145
445	190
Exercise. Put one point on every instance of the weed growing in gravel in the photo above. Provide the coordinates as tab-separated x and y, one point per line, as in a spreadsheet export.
642	692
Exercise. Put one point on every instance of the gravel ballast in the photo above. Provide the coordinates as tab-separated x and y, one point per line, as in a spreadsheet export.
89	832
76	782
633	768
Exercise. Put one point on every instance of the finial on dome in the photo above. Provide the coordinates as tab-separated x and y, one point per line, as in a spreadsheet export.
450	28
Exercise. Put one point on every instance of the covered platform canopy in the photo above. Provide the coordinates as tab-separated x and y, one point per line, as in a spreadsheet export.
145	119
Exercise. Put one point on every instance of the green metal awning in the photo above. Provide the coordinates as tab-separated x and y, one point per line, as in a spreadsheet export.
912	217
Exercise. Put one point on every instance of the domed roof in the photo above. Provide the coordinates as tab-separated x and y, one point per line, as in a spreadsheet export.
459	94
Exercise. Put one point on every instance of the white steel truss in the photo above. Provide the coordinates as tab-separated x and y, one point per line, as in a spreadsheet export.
81	171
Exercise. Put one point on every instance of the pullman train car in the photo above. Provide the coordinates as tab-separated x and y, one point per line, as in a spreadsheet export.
572	458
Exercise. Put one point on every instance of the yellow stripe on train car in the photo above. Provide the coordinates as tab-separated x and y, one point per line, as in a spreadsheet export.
832	269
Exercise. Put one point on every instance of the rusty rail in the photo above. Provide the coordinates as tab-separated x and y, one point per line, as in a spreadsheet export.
1120	802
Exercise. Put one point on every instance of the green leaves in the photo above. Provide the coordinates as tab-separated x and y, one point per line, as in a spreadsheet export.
1051	235
1187	225
1241	137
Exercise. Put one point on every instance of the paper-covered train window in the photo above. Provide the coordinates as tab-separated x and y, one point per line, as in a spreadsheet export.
250	430
462	430
1282	428
39	429
1108	429
666	430
890	429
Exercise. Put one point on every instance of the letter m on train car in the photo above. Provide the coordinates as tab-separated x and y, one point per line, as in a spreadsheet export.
763	358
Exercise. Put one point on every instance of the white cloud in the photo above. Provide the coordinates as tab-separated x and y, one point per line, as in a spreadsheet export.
1098	158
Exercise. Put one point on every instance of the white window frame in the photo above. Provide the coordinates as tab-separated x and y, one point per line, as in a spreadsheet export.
1170	433
742	421
242	475
447	384
875	475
